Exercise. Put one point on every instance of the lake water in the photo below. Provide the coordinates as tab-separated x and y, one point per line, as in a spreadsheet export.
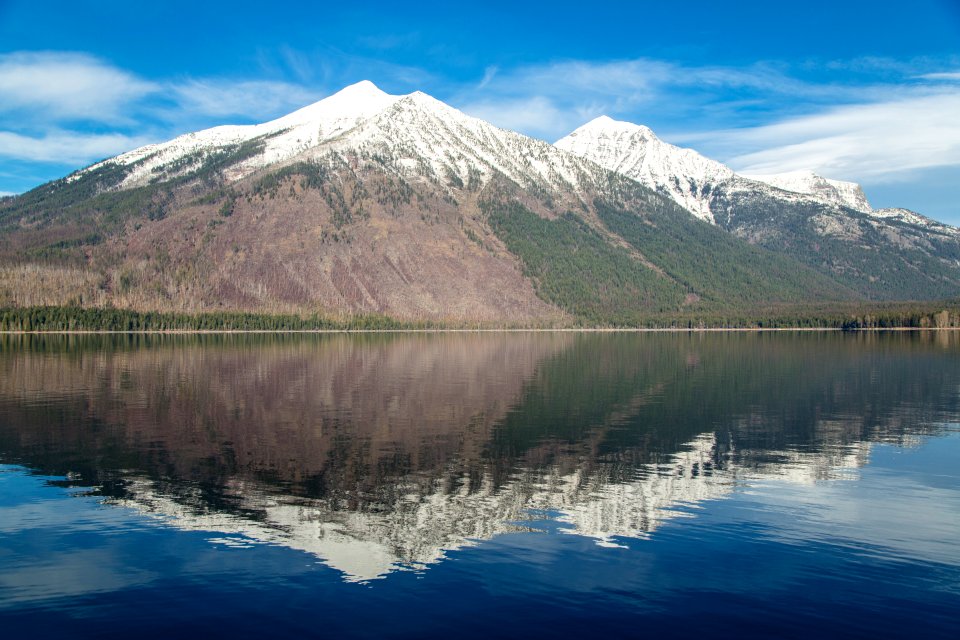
481	485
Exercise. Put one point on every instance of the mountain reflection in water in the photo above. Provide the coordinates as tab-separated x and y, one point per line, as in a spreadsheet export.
385	452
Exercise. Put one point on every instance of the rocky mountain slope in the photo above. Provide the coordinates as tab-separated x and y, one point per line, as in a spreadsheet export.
368	203
827	224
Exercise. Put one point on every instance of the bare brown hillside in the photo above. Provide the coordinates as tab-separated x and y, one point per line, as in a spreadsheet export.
288	249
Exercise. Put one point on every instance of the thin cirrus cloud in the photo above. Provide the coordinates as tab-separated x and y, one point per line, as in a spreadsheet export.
880	141
73	86
67	86
947	75
66	147
548	100
536	116
244	98
645	80
72	108
574	90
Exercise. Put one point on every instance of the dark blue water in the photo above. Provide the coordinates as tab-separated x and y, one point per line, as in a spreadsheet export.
481	485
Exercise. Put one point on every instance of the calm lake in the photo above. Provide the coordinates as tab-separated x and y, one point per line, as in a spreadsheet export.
788	485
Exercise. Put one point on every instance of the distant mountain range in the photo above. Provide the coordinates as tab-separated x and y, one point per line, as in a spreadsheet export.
401	205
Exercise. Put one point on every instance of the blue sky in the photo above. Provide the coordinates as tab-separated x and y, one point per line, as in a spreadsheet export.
864	91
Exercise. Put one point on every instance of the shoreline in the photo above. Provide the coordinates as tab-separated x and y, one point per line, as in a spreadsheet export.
83	320
516	330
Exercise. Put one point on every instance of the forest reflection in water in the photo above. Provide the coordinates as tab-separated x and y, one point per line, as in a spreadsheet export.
385	452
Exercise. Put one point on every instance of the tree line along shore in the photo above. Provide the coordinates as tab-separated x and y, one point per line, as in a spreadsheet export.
926	315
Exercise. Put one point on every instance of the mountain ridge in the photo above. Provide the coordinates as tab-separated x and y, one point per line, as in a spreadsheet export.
805	181
367	203
636	151
826	224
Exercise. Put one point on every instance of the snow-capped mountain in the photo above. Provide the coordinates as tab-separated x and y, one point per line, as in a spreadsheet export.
417	134
284	137
845	194
693	180
366	202
422	136
800	213
361	203
634	151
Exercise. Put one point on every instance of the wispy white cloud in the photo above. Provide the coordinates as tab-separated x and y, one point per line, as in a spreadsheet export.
249	98
488	74
72	108
567	93
630	78
62	87
66	147
879	140
298	63
67	86
536	116
574	87
947	75
548	101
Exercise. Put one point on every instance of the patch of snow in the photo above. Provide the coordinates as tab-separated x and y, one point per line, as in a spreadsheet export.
450	143
915	219
845	194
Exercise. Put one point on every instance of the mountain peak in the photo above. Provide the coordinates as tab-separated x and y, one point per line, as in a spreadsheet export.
605	126
364	87
358	94
354	101
425	99
636	152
